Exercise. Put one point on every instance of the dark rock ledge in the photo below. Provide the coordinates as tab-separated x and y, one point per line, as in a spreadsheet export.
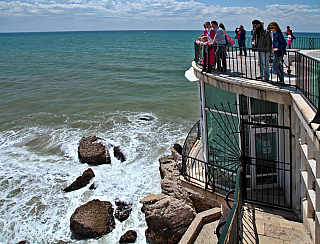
81	181
169	214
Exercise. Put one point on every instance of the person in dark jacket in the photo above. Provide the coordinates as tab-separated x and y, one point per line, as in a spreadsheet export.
279	48
263	44
241	36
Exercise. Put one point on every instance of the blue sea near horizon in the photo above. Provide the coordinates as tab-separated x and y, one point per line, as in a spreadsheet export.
58	87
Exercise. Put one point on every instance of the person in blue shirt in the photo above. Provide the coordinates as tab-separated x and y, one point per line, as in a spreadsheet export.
279	49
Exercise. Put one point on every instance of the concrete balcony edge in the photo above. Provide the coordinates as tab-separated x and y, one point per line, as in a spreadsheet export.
197	224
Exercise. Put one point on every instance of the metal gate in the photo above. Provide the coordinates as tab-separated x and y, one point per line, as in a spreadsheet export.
254	134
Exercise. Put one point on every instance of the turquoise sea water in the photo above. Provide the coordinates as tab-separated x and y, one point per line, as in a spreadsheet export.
57	88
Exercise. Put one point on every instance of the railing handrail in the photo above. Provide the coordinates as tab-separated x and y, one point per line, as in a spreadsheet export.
238	203
303	43
190	132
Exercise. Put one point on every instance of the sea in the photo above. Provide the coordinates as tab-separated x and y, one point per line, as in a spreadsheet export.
127	87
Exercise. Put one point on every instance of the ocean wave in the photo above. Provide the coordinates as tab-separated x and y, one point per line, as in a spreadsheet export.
39	158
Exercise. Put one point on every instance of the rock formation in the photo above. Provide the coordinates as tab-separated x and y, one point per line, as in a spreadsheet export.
118	154
169	214
81	181
92	220
167	218
92	152
123	210
129	237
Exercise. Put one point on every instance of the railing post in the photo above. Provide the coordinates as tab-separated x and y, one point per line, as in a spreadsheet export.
196	52
316	118
209	48
204	58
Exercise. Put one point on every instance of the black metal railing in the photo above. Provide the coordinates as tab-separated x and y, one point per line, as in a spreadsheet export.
307	71
232	226
191	165
193	136
295	68
302	43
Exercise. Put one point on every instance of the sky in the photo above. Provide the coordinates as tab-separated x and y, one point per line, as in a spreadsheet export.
88	15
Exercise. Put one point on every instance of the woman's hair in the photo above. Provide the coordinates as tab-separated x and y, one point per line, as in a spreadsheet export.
275	26
268	28
205	24
222	26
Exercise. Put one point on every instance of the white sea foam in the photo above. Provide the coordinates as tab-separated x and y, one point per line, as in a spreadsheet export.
39	161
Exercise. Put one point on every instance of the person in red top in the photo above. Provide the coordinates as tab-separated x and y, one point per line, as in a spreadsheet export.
209	32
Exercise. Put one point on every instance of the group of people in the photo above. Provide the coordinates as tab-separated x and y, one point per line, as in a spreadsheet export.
263	42
215	33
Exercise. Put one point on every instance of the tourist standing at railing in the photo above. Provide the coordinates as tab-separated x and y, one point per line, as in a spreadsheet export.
263	44
209	31
220	40
290	32
241	36
229	40
279	48
289	40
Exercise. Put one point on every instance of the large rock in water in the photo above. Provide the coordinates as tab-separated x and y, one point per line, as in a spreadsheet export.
81	181
167	218
92	152
92	220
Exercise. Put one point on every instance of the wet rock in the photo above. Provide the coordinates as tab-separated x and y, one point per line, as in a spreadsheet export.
81	181
92	220
118	154
145	118
123	210
178	148
167	218
93	186
92	152
129	237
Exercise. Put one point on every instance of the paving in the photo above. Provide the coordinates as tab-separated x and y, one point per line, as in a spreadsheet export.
207	235
266	226
260	225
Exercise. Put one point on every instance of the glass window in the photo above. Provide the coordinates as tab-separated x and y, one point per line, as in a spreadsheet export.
216	96
264	112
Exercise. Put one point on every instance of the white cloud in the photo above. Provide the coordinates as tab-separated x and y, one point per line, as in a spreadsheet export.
153	10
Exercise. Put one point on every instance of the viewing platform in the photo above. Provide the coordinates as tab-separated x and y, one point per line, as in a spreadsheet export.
257	142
